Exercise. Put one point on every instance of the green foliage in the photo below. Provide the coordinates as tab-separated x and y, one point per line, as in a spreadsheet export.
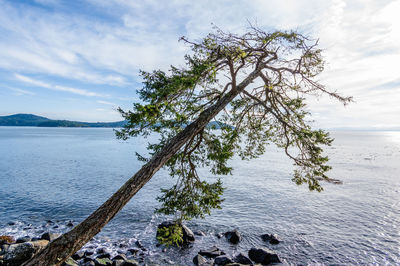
271	109
170	235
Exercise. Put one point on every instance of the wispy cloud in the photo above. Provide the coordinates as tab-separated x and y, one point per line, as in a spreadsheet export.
42	84
106	103
21	92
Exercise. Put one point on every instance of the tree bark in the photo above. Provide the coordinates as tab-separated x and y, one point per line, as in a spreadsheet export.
66	245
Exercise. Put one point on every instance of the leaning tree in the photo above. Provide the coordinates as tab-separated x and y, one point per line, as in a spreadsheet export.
255	86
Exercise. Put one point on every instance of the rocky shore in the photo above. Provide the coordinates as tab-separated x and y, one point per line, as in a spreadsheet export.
15	251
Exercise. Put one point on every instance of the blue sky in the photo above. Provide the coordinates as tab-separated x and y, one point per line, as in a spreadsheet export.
79	60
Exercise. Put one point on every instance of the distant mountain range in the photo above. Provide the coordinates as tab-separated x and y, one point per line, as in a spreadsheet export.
30	120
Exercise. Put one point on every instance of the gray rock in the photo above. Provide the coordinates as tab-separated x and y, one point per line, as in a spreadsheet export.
211	252
222	260
49	236
263	256
242	259
271	238
16	254
199	260
88	253
233	236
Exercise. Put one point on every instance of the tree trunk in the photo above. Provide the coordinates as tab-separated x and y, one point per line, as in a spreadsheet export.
66	245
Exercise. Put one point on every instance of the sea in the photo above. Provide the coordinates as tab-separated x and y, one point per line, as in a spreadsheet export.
52	176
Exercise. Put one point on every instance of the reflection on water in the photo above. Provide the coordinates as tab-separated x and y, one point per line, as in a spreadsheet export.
66	173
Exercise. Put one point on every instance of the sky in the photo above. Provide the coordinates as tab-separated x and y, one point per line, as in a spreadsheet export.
80	60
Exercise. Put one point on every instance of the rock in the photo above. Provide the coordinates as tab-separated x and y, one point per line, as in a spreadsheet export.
219	235
78	255
88	253
120	257
23	239
199	233
222	260
35	238
102	262
211	252
100	250
70	262
234	236
199	260
271	238
11	223
88	263
242	259
138	244
49	222
130	263
104	255
133	251
117	262
49	236
16	254
70	224
6	240
188	236
123	245
263	256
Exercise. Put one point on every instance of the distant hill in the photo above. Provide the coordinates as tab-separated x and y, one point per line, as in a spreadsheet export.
30	120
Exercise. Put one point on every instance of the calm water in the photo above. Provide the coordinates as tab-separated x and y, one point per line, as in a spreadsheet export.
66	173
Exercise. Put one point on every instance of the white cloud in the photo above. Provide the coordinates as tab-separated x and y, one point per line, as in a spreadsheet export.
46	85
21	92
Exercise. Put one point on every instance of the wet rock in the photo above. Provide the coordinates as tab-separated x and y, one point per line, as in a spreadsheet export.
271	238
70	224
219	235
89	253
242	259
16	254
117	262
88	263
101	250
263	256
199	260
35	238
70	262
23	239
211	252
123	245
199	233
188	236
104	255
233	236
49	236
138	244
102	262
120	257
130	263
78	255
49	222
164	250
133	251
222	260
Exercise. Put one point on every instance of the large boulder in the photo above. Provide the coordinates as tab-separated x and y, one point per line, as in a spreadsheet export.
263	256
16	254
233	236
188	236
